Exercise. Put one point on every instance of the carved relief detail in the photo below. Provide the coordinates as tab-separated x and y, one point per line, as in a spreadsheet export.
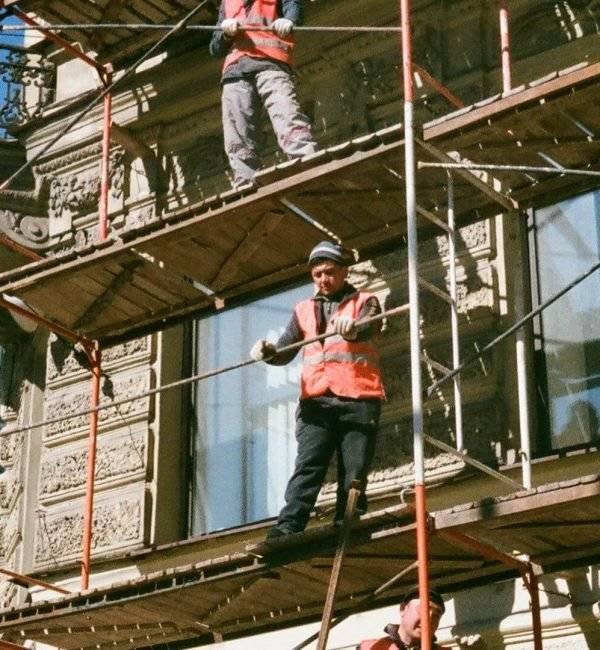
8	595
140	217
118	523
116	457
78	193
475	236
9	533
64	361
28	230
49	167
10	448
9	491
65	404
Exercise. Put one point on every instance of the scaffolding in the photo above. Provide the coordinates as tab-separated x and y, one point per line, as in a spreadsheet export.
273	188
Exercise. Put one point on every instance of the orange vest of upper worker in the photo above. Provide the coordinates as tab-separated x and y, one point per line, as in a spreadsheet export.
258	44
386	644
346	368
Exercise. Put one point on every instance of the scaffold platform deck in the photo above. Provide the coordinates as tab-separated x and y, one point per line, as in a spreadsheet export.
252	239
244	593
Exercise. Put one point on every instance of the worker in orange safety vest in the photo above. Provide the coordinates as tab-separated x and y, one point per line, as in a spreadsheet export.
407	633
258	70
341	387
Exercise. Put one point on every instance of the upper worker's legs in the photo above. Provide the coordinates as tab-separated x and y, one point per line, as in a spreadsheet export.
356	430
315	448
241	111
291	126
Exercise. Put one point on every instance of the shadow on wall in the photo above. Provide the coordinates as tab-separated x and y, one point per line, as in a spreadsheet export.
478	602
582	594
17	361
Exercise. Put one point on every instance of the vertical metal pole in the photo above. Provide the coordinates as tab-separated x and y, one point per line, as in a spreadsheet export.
458	415
531	582
505	46
105	162
415	342
88	514
523	407
520	351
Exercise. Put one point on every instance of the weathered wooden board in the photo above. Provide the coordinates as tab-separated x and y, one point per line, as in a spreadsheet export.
241	593
248	240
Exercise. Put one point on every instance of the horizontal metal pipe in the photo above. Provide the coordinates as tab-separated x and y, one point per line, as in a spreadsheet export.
195	28
31	24
472	461
396	311
511	168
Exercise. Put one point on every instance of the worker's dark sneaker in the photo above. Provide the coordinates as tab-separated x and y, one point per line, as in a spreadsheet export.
277	532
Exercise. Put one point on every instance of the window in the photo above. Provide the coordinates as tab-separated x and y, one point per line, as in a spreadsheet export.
244	445
566	239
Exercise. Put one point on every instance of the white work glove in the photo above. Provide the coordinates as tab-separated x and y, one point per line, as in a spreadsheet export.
282	27
230	27
262	350
346	327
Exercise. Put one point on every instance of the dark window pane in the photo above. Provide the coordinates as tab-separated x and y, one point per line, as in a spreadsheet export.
568	243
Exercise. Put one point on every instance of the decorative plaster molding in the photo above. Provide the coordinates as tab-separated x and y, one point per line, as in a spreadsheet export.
10	448
10	489
9	533
63	363
140	217
117	523
78	192
31	231
63	404
116	457
61	162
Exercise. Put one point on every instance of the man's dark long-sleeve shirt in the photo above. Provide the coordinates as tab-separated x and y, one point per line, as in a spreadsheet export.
328	305
220	44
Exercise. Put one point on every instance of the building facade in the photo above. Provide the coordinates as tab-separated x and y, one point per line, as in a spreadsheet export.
216	456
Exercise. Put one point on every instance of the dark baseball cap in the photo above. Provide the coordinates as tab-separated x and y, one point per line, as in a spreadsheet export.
434	597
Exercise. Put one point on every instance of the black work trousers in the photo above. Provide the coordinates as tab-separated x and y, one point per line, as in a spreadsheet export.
325	425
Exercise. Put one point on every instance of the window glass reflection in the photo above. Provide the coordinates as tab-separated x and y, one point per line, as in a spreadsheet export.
244	445
568	243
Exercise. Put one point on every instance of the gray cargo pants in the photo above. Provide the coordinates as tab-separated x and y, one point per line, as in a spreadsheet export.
241	111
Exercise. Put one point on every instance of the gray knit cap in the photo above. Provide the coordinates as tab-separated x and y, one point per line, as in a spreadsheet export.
327	250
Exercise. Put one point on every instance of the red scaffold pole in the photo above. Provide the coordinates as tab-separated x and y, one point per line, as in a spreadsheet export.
88	514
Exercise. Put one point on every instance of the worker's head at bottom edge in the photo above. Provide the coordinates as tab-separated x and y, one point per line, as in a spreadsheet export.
410	614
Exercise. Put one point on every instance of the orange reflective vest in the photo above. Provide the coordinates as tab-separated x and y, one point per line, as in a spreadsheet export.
378	644
346	368
258	44
386	644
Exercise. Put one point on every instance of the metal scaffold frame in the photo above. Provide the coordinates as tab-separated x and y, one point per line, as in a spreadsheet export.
413	211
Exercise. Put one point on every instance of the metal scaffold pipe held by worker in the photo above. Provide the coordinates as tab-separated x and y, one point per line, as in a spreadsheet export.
369	29
396	311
